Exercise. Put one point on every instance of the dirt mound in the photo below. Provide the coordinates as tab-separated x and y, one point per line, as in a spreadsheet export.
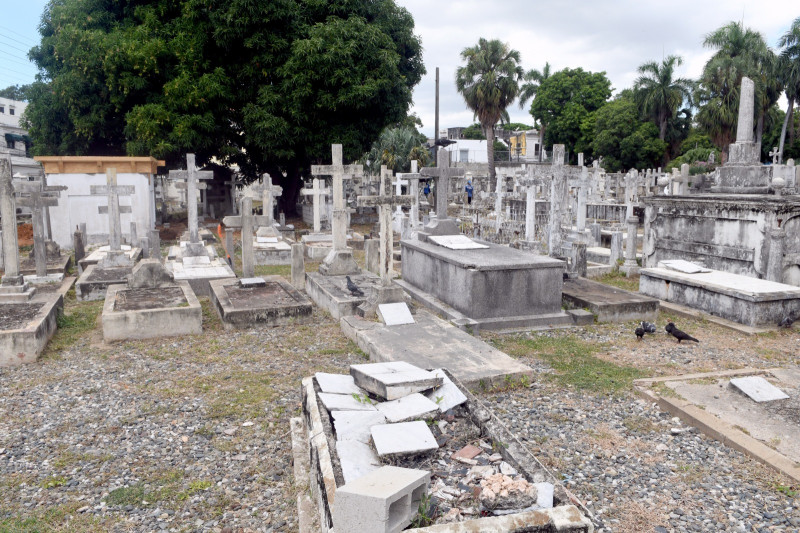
25	234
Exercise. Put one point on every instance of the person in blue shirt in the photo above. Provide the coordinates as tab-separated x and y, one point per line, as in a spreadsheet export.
469	190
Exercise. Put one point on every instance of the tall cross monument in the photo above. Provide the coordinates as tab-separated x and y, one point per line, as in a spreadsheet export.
441	173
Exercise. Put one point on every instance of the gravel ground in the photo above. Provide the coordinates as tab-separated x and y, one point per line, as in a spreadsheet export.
192	434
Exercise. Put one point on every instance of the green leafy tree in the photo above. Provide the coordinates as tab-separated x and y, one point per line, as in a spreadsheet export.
739	52
533	79
267	85
473	131
396	147
788	69
623	140
489	83
659	93
16	92
565	100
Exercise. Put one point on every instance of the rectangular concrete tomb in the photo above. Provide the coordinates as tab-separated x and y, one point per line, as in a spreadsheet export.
393	380
247	303
746	300
385	500
497	286
144	313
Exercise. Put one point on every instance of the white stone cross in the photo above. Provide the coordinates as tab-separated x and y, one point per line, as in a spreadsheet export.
398	191
246	220
413	179
191	176
631	184
559	198
442	173
113	191
384	203
339	172
775	154
38	196
268	194
316	193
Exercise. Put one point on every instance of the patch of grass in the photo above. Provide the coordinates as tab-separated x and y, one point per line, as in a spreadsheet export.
664	390
574	362
53	482
164	489
620	280
237	394
74	323
68	458
274	270
61	518
791	491
639	424
211	321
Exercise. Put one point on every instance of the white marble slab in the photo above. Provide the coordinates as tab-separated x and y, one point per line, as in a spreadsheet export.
356	425
448	395
403	439
759	389
345	402
408	408
680	265
201	260
357	459
395	314
394	379
456	242
267	239
337	383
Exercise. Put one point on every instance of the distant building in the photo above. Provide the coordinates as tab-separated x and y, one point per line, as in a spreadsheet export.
455	133
468	151
15	141
525	145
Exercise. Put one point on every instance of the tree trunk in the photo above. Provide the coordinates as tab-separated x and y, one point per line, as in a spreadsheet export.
783	129
291	190
488	132
662	126
791	127
760	128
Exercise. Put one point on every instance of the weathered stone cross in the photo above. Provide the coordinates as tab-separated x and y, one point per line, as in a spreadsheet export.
442	173
558	201
413	180
268	194
775	155
191	177
340	260
316	193
246	220
385	202
38	196
115	256
13	283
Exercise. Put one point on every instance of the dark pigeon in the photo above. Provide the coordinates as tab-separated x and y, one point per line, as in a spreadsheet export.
639	333
648	327
788	321
678	334
353	288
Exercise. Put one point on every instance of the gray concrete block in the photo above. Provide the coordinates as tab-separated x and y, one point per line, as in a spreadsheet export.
337	383
393	380
383	501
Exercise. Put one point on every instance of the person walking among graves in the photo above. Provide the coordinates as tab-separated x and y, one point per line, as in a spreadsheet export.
427	190
469	190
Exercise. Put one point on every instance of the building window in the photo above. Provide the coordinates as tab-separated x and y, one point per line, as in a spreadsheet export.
2	109
10	110
463	156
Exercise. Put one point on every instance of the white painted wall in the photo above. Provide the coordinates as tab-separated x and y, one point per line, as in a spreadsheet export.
76	205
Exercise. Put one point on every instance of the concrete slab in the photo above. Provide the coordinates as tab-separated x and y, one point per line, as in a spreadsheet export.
406	438
681	265
345	402
395	314
272	302
357	459
448	395
95	281
272	251
608	304
199	276
356	425
331	293
337	383
768	431
457	242
759	389
394	379
55	265
409	407
434	343
95	256
171	311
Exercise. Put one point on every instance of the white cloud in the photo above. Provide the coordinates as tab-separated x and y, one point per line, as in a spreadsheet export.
611	36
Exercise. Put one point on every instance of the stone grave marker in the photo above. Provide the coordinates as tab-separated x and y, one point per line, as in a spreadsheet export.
13	285
316	193
441	174
413	180
246	221
115	257
758	389
395	314
559	199
269	193
339	260
191	182
38	197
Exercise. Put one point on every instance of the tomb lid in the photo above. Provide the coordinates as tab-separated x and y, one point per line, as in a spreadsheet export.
457	242
758	389
252	283
496	258
395	314
680	265
150	273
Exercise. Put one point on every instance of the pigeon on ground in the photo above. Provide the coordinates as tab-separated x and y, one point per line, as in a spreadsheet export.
639	333
788	321
353	288
648	327
678	334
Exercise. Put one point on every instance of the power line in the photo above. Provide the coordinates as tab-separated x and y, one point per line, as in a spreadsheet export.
15	60
15	40
15	33
14	47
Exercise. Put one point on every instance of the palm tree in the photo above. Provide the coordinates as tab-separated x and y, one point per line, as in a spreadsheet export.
659	94
533	80
489	83
740	52
789	74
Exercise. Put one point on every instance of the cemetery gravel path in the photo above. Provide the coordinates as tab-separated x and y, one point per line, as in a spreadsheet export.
191	434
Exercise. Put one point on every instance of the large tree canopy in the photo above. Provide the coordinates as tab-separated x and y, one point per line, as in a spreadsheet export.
264	84
565	99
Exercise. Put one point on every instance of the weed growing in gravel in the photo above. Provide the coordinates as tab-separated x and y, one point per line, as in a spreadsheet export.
53	482
573	361
789	490
74	323
639	424
59	518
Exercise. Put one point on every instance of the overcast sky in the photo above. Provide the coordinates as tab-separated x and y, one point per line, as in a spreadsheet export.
611	36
